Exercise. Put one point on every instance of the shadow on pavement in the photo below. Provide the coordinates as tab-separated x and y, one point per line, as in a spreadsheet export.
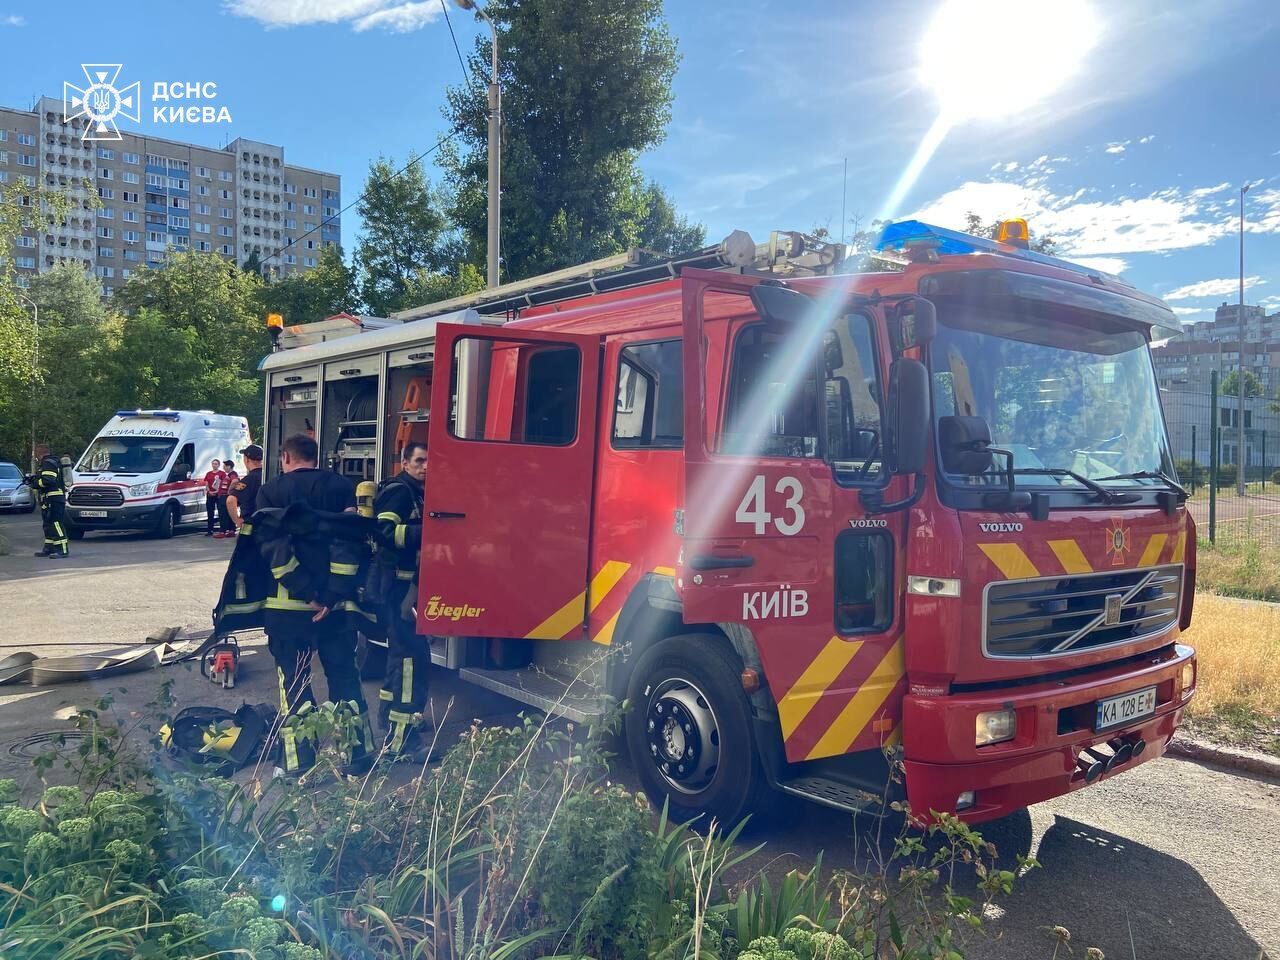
1122	897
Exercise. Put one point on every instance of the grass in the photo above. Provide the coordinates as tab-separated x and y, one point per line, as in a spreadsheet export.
1238	682
1240	564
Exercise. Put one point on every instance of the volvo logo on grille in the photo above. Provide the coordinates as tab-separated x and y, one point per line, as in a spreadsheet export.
1111	612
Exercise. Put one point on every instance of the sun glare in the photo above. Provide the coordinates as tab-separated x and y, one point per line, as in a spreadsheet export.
995	58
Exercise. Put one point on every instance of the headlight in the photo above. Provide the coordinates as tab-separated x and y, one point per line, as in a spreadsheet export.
142	489
1188	675
995	726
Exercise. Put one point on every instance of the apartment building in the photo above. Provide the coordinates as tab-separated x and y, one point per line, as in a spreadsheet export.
154	195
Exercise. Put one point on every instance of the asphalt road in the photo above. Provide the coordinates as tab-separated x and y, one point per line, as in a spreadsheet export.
1171	860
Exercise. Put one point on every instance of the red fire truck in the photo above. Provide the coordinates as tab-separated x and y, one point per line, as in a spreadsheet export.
809	525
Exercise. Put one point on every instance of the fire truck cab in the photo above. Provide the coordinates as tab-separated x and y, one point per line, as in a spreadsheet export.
911	535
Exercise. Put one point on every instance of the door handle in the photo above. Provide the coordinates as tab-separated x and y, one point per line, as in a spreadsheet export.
716	562
445	515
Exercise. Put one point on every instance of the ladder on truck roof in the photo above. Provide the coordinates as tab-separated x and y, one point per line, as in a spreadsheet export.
787	254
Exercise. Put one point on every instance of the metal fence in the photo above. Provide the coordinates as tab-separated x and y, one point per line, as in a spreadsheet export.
1204	434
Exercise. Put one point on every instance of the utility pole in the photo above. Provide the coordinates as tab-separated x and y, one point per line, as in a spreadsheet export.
1241	459
35	368
495	147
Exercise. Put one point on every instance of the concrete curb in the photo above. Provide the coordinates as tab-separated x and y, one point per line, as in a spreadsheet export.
1245	761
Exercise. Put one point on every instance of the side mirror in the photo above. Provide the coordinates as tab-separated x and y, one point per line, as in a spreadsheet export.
781	304
907	427
913	323
965	444
181	471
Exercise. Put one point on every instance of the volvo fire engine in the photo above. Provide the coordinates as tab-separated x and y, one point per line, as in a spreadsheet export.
910	534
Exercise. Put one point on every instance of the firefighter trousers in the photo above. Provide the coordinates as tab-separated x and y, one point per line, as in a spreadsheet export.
403	697
53	516
292	638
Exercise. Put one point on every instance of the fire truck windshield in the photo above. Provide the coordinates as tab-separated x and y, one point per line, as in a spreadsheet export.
1067	391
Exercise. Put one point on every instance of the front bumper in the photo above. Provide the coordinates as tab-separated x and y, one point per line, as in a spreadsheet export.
1054	726
140	517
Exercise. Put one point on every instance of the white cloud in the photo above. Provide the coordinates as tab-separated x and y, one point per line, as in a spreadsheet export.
14	20
362	14
1116	265
1148	138
401	19
1117	147
1212	288
1189	311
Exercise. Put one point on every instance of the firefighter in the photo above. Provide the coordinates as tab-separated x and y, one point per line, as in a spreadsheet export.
52	494
398	513
316	579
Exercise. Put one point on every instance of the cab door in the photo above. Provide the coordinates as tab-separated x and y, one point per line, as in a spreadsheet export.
511	451
782	434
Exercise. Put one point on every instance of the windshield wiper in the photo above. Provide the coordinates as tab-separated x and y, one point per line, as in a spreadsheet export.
1173	485
1107	496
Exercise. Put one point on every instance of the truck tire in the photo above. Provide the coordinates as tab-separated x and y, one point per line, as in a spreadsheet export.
689	735
167	523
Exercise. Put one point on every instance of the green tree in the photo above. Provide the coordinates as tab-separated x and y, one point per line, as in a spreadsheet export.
586	87
404	232
427	287
328	288
1230	386
253	264
191	338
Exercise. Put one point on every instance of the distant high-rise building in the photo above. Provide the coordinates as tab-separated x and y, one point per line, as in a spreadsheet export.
157	194
1225	325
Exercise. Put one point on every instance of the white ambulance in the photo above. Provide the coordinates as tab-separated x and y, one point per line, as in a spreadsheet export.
145	470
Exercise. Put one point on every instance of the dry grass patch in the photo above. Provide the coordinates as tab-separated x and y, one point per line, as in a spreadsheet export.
1243	566
1238	686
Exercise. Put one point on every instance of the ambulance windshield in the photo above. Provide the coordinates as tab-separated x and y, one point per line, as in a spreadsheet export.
127	455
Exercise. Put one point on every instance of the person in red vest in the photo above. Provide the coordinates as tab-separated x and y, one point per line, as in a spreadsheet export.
229	477
212	485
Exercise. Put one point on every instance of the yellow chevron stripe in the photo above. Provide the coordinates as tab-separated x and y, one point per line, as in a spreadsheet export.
605	636
570	615
1152	554
858	712
1179	548
665	571
894	738
1070	556
1011	560
813	683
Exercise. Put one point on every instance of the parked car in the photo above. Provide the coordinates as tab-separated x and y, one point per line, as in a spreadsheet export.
14	494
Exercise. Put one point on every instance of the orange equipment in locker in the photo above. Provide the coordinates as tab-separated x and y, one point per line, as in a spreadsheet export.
414	412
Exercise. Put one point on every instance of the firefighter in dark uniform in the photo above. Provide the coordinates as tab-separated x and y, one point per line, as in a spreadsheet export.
304	614
243	499
398	513
52	493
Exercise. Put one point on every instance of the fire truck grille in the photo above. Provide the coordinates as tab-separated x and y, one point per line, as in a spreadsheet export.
89	496
1060	616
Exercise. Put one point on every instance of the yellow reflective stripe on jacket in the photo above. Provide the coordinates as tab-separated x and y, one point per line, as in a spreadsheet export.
245	529
406	574
285	569
344	569
391	515
401	532
282	601
251	607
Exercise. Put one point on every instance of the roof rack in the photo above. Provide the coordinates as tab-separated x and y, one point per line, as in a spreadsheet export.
787	254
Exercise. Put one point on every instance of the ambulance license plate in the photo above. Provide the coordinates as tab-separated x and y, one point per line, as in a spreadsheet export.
93	513
1118	711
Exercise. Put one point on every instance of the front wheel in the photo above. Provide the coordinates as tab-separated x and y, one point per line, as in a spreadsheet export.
167	523
688	731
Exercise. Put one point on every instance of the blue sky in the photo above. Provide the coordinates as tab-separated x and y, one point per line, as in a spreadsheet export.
1133	164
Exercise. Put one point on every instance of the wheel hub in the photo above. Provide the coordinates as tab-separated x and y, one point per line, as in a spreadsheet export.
683	734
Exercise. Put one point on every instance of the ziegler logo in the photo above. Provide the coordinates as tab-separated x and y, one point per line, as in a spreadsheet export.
1000	527
868	523
435	610
767	604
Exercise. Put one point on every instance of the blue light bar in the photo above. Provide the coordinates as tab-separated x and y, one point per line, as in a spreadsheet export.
954	243
173	415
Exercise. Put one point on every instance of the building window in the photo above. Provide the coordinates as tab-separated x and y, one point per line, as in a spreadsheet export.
202	171
4	136
227	249
226	175
224	213
310	261
180	203
106	232
202	209
106	271
131	255
129	216
129	177
309	208
202	227
155	180
130	157
129	197
154	161
26	263
155	236
130	236
330	211
106	213
203	246
104	173
202	190
106	252
177	183
225	231
26	159
290	223
106	154
180	223
180	241
311	244
106	193
177	164
27	139
224	194
26	241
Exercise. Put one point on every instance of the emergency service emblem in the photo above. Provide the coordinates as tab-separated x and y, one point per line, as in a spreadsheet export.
1118	544
101	101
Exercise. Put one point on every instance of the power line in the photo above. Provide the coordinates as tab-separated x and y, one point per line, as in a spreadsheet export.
324	220
467	76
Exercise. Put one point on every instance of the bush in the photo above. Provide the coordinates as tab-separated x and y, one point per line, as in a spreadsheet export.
1226	475
1275	477
516	846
